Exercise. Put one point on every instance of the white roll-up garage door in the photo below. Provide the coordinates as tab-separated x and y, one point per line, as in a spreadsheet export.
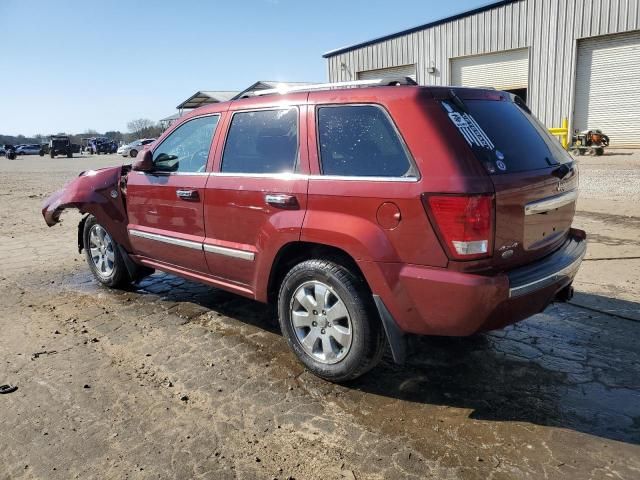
508	70
608	87
390	72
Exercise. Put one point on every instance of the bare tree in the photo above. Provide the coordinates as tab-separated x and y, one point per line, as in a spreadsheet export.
143	127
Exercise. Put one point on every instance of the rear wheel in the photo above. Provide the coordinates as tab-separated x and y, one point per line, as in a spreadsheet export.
103	256
133	153
329	320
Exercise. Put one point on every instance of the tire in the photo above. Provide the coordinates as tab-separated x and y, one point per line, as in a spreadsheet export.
69	155
52	154
599	151
41	153
103	255
337	348
133	153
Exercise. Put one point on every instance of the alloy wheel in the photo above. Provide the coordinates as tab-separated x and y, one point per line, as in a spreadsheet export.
101	247
321	322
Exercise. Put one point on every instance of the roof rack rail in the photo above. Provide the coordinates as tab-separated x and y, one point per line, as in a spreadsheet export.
377	82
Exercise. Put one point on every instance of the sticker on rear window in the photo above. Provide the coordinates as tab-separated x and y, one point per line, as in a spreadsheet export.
469	128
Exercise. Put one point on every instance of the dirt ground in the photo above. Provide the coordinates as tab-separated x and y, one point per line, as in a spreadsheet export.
177	380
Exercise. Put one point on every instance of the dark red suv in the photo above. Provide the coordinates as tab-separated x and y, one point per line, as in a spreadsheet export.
365	213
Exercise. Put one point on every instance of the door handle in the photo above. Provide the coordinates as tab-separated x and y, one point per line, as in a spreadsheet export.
187	194
282	200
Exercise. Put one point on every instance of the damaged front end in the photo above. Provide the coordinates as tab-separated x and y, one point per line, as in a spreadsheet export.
98	192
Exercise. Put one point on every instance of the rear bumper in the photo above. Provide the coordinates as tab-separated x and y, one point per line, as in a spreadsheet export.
431	301
558	268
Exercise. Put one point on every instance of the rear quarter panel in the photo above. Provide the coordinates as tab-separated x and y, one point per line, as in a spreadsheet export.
343	212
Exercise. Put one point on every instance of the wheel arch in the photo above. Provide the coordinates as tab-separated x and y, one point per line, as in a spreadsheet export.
293	253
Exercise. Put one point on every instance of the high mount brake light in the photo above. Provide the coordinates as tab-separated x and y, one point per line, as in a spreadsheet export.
464	224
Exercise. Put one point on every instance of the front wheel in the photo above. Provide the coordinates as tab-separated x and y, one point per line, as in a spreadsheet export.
328	318
133	153
103	255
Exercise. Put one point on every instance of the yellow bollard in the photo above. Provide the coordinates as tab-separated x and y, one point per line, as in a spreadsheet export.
562	132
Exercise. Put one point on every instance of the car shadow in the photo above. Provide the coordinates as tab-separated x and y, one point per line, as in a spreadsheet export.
570	367
574	366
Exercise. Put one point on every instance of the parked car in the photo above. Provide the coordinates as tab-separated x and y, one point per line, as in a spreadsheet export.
364	214
58	145
132	149
98	145
31	149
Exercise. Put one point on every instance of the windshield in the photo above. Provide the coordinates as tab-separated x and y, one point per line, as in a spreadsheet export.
505	137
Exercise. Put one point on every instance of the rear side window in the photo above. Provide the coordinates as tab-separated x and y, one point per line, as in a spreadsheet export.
360	140
516	140
262	142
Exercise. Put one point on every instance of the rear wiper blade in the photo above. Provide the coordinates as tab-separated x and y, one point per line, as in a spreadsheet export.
562	171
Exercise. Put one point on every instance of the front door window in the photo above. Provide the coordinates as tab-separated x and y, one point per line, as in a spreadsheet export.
186	149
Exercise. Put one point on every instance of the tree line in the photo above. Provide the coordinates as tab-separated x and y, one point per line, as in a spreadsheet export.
139	128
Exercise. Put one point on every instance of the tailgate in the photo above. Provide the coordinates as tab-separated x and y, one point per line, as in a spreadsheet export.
534	212
535	180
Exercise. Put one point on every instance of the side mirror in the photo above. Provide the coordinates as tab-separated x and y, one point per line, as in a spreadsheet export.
145	163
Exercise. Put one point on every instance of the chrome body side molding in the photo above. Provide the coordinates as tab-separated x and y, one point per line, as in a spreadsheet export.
166	239
229	252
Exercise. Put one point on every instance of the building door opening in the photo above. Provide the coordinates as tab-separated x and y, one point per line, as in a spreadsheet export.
507	70
521	92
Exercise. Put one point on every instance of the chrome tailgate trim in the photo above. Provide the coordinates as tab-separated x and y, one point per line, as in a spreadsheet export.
551	203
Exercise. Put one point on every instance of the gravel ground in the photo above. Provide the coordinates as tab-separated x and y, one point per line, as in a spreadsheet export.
176	380
613	176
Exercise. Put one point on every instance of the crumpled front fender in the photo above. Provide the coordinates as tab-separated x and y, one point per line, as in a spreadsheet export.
96	192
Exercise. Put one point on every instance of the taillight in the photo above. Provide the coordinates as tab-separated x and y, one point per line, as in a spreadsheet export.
464	223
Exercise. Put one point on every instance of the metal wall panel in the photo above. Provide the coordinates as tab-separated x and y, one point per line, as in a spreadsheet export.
390	72
549	28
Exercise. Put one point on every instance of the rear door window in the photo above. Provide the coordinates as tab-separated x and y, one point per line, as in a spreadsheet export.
361	141
264	141
504	136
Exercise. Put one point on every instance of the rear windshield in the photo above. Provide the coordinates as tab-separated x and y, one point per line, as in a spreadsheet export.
508	139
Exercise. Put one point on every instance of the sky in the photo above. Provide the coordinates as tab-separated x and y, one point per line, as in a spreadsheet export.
73	65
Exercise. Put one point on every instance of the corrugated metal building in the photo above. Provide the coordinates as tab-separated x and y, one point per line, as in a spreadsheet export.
575	59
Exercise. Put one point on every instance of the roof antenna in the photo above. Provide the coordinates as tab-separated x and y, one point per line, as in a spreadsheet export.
456	100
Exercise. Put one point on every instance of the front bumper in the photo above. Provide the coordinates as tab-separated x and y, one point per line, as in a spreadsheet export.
432	301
